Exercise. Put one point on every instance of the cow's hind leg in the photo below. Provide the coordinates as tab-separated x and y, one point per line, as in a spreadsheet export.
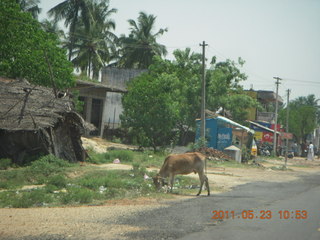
207	184
201	177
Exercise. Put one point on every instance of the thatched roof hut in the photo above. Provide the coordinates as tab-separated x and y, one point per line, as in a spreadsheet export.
34	121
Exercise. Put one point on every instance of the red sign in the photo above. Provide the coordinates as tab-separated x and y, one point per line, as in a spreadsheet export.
267	137
278	127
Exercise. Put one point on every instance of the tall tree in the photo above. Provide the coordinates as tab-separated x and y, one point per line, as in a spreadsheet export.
225	89
303	118
73	12
138	49
30	6
51	26
95	46
150	110
26	51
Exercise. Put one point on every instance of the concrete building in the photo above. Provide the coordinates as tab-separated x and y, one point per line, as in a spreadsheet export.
102	100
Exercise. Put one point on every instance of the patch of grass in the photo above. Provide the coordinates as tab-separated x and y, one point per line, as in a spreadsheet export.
146	159
13	178
48	165
44	167
76	195
123	155
5	163
88	186
58	181
25	199
280	168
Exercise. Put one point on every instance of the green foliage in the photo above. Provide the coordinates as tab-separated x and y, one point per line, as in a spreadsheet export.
77	195
245	153
200	143
224	89
138	170
58	181
98	47
44	167
108	157
139	48
29	52
91	186
13	178
168	97
5	163
302	116
25	199
150	108
122	155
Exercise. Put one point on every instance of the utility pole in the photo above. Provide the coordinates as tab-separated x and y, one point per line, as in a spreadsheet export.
276	118
287	129
203	93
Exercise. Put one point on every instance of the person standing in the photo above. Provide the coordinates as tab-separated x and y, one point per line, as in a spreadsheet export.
310	152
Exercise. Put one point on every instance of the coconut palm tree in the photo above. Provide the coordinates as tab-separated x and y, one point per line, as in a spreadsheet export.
95	46
30	6
73	12
138	49
52	26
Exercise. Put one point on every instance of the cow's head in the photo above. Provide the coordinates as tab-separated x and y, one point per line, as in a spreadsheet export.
158	181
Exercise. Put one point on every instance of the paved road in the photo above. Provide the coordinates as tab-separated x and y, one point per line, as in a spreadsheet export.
192	219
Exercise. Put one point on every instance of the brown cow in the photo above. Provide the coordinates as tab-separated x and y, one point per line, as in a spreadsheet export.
182	164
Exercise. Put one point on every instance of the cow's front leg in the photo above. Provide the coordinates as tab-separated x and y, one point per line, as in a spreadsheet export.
171	181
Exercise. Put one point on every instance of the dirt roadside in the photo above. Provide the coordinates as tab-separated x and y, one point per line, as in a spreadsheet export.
102	222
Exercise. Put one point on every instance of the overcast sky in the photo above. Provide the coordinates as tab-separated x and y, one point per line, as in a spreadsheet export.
276	38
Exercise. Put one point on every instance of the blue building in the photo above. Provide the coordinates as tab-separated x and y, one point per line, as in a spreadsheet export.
222	132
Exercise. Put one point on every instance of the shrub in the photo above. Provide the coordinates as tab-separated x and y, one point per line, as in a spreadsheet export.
36	197
77	195
57	180
47	165
123	155
138	170
12	178
5	163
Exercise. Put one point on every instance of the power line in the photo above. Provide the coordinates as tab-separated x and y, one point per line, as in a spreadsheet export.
301	81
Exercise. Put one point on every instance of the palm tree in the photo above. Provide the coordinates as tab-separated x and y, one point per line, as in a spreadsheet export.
186	58
138	49
73	11
30	6
52	27
95	45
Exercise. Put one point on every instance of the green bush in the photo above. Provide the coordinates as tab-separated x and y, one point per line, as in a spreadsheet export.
108	157
59	181
33	198
78	195
46	166
123	155
13	178
138	170
5	163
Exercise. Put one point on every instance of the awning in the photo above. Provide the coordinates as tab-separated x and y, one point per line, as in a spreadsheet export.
263	127
228	121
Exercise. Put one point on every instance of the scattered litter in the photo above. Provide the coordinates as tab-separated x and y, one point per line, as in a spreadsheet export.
102	189
117	160
63	190
146	177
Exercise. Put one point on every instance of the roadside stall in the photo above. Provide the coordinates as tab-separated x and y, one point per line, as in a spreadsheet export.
222	132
